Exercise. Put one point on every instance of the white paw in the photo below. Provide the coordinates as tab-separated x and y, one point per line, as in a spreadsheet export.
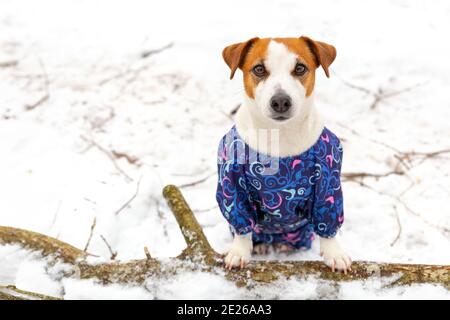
334	256
240	252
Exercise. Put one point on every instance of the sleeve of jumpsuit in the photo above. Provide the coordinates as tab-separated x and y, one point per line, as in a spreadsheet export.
232	195
328	207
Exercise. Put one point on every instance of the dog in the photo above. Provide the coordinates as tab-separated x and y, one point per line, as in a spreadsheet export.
279	166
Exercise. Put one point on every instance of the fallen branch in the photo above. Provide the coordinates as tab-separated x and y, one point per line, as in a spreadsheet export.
13	293
199	255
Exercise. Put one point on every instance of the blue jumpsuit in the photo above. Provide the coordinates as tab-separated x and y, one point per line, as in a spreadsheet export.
281	199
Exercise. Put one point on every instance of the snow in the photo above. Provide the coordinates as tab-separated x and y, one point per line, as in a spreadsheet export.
169	111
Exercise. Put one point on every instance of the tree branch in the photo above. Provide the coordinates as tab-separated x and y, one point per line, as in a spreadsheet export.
199	255
13	293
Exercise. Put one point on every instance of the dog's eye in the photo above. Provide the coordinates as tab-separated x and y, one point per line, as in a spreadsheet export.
259	70
300	69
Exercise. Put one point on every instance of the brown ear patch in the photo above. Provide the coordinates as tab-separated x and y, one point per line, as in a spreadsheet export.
234	55
324	53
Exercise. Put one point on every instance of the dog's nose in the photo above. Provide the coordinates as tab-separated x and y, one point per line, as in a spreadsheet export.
280	102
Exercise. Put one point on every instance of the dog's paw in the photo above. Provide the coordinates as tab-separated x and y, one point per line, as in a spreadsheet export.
334	256
240	252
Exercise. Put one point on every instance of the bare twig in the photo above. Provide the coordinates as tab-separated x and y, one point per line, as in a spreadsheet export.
355	175
55	216
404	157
46	94
196	182
9	64
235	110
147	253
98	124
412	184
113	253
205	210
380	94
131	159
129	70
443	229
38	102
356	87
131	199
109	155
399	226
149	53
424	155
94	222
368	138
162	217
135	71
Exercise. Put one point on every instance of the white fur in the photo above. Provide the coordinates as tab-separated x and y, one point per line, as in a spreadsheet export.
333	255
294	135
240	251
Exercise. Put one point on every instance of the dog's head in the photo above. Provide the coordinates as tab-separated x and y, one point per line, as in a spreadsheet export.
279	73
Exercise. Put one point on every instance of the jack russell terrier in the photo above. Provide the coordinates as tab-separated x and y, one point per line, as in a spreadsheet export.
279	167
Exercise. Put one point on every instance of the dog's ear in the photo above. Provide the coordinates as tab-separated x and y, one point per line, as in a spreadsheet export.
325	53
234	55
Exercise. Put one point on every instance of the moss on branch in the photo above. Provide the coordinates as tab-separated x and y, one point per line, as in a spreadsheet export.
199	255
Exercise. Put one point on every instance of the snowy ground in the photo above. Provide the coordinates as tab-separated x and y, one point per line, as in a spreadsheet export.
168	111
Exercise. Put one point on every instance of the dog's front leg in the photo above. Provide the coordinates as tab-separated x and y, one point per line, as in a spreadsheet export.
240	252
334	256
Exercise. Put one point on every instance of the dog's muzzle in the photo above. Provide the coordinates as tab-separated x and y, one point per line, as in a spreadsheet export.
280	104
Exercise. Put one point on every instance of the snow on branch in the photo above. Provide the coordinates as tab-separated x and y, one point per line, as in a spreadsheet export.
200	256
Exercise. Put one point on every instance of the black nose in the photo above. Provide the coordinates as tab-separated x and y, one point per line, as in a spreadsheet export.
280	102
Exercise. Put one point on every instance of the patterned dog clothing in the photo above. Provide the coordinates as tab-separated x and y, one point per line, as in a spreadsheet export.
281	199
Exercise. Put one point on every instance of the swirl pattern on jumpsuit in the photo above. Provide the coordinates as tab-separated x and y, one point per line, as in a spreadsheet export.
302	197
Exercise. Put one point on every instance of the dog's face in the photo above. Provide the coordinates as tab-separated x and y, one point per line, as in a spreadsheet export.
279	73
